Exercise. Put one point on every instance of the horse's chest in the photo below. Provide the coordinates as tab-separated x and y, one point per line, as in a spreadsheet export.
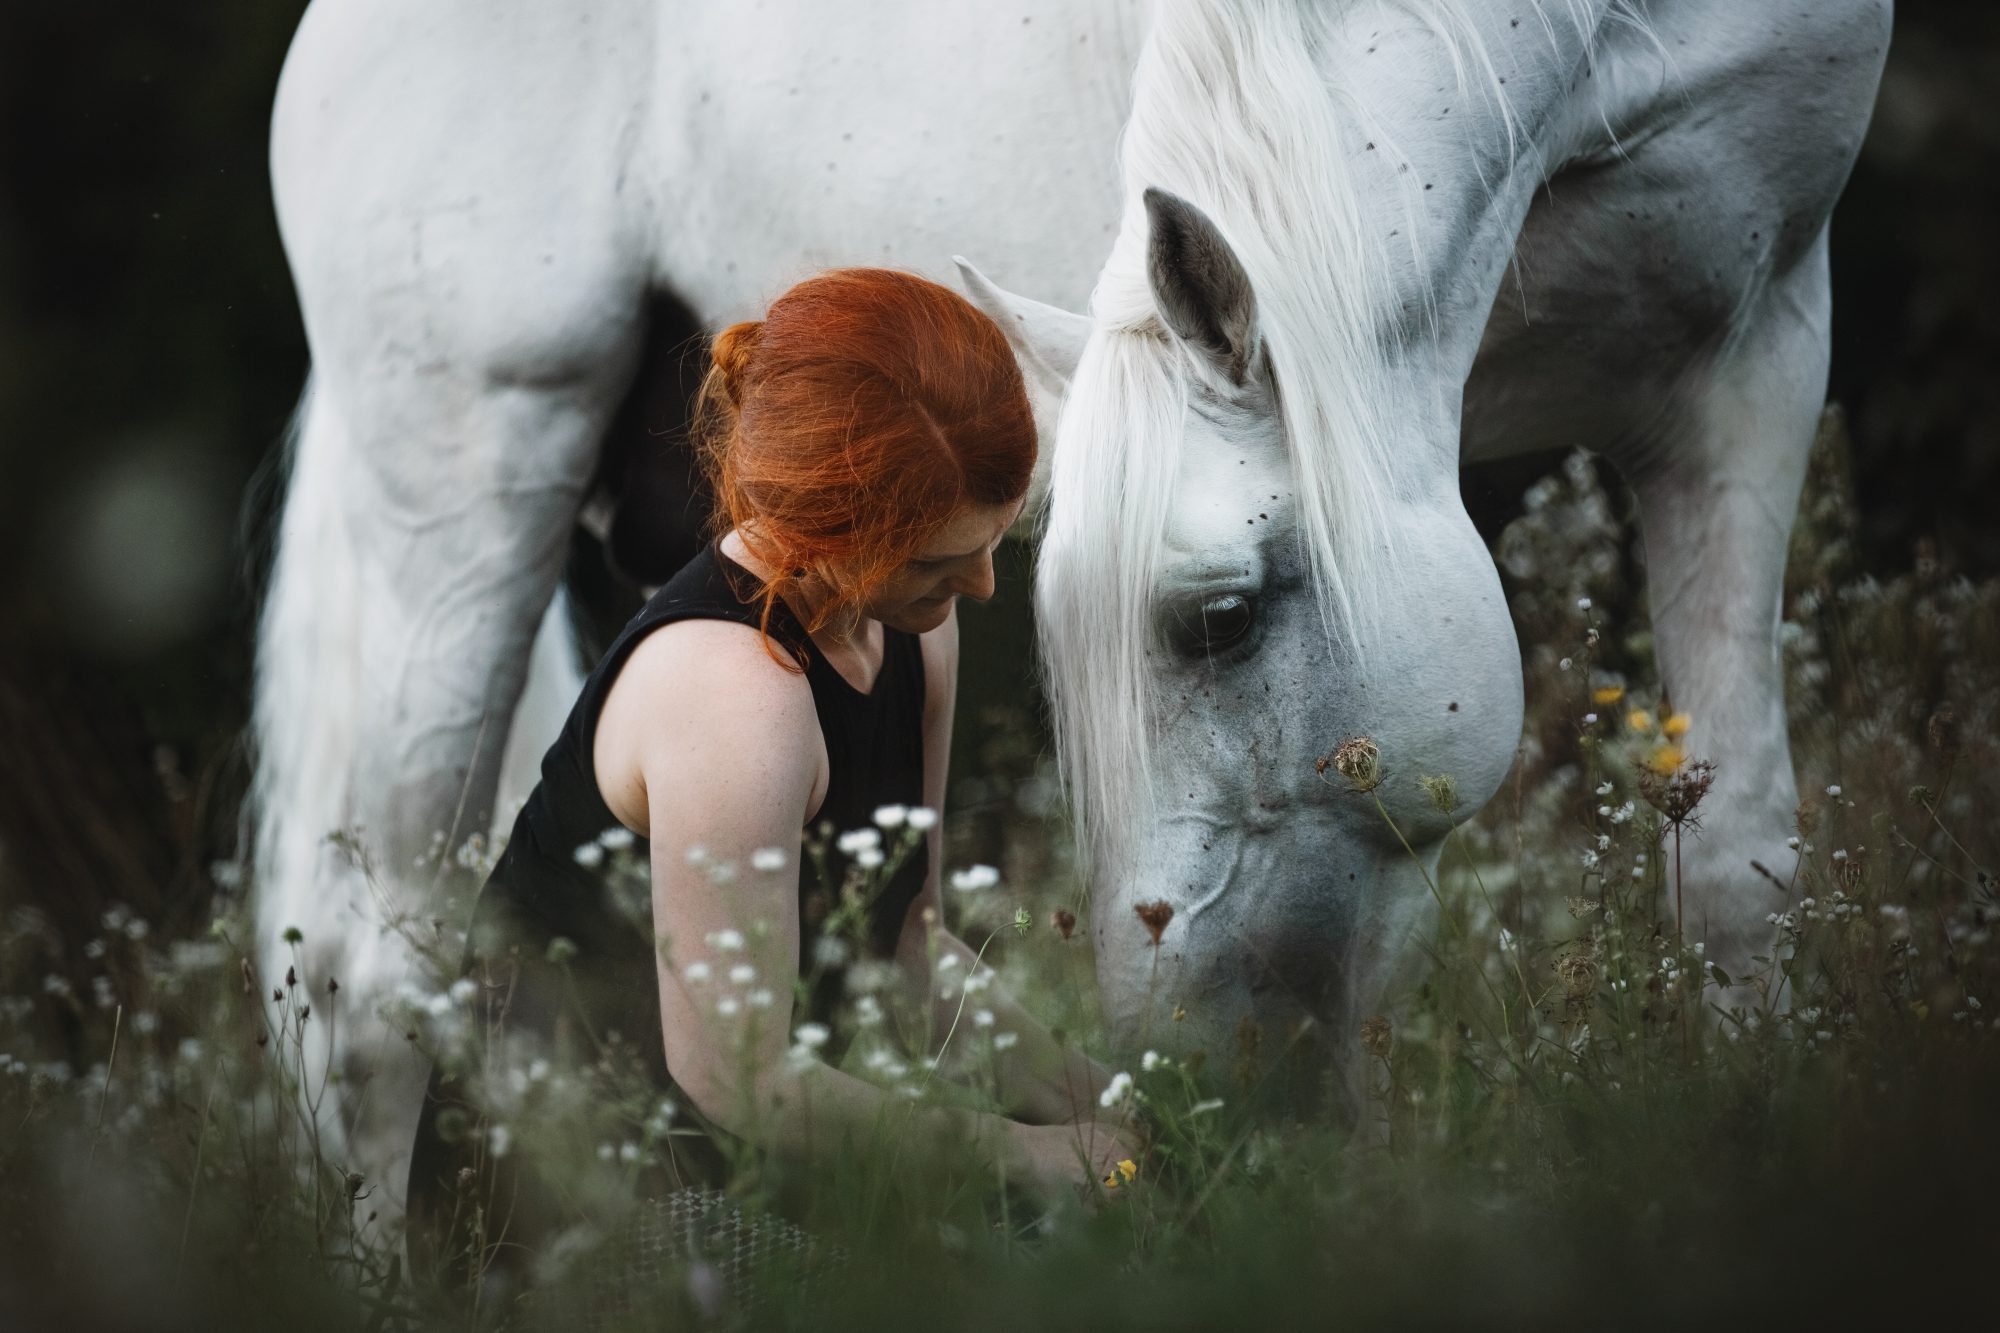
1639	259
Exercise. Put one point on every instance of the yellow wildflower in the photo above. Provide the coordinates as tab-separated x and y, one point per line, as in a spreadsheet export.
1666	759
1639	720
1676	726
1122	1174
1607	694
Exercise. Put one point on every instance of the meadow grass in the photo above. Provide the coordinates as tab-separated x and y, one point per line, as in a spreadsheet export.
1561	1122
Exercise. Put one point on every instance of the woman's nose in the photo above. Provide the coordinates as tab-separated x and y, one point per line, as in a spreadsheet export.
977	583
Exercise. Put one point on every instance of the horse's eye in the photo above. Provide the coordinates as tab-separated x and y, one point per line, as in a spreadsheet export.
1221	623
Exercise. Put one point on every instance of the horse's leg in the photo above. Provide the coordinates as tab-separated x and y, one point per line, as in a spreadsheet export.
1716	505
424	532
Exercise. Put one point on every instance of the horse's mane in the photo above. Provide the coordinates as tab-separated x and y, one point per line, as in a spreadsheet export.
1233	111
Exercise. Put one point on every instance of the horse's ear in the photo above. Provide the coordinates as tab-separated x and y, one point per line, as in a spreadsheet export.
1048	341
1202	291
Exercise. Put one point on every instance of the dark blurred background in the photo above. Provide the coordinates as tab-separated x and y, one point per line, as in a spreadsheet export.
150	354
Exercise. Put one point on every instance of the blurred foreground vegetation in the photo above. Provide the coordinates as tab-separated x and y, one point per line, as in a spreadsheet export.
1561	1126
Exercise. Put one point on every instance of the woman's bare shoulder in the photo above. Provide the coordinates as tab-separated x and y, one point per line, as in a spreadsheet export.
697	690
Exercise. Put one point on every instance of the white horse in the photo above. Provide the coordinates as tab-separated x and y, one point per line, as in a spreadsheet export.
1363	244
1256	467
478	198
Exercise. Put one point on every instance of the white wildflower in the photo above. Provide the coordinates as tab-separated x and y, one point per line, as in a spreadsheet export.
1204	1107
1604	788
891	816
728	1006
868	858
619	839
856	839
1834	791
696	973
982	1018
768	860
829	951
589	856
922	817
742	974
1117	1091
974	878
464	991
812	1036
976	982
628	1151
1563	665
499	1139
867	1011
761	998
728	941
695	855
1005	1041
1150	1061
1583	603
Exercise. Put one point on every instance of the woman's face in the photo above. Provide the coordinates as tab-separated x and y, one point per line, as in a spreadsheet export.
957	562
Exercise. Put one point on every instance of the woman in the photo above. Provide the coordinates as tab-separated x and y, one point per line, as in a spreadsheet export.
869	443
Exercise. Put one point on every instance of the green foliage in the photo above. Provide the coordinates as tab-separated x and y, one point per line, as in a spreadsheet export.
1569	1114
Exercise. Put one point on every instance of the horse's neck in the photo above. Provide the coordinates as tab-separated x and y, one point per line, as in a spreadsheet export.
1446	118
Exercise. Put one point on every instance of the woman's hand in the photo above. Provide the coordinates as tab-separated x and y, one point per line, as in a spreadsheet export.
1061	1161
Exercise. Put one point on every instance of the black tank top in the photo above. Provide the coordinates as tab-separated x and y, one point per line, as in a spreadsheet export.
608	986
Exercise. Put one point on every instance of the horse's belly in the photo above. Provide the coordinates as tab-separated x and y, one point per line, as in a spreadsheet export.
792	137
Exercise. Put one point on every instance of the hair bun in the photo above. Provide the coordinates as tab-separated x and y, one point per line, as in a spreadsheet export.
731	352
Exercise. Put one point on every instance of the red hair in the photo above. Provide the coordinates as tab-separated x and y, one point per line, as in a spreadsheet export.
848	426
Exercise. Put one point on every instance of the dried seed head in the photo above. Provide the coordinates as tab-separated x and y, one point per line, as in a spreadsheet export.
1064	922
1943	731
1155	916
1578	975
1806	817
1442	791
291	977
1359	760
249	982
1582	907
1376	1036
1677	793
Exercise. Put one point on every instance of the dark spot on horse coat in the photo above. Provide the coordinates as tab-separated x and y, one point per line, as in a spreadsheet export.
1453	707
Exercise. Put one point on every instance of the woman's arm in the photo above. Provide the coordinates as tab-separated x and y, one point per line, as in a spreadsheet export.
731	758
1041	1080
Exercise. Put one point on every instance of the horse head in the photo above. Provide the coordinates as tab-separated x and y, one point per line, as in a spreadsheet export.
1210	645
